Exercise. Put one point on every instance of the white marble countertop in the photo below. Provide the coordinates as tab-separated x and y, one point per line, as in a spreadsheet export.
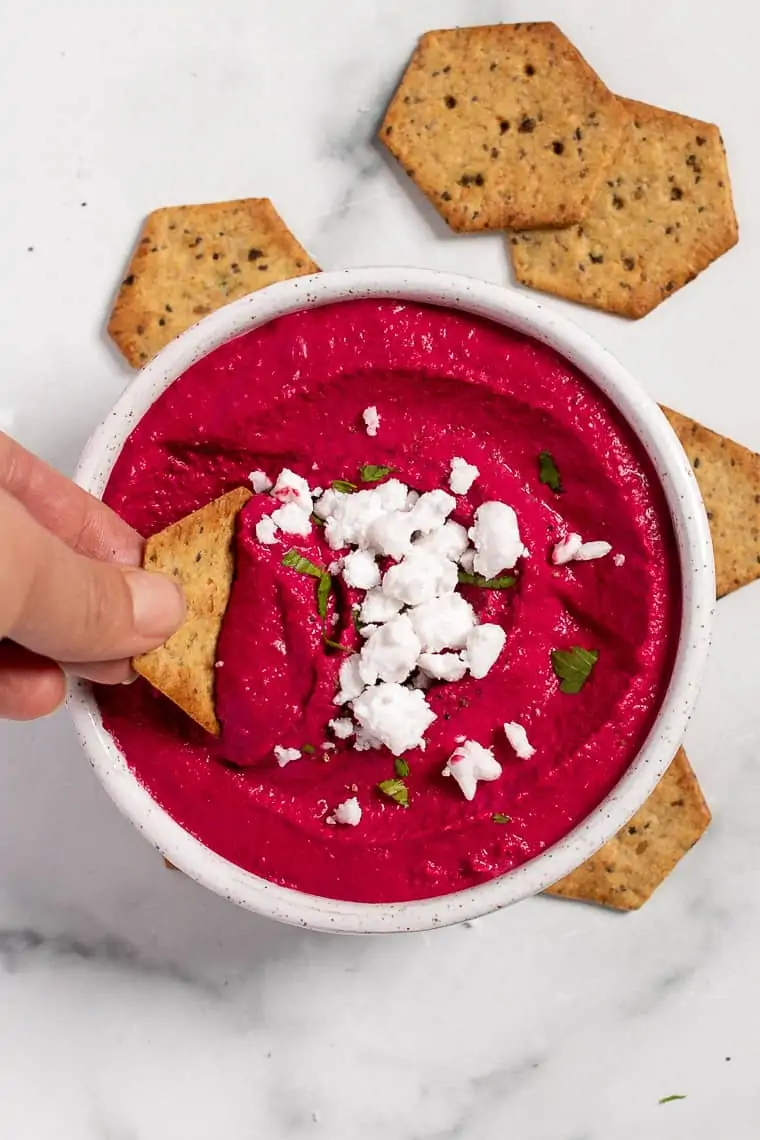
133	1004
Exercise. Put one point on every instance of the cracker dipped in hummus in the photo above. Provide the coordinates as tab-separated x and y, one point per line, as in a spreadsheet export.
454	609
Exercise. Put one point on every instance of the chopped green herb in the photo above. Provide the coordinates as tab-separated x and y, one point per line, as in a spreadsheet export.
323	594
358	623
548	472
317	520
573	667
308	748
674	1096
499	817
336	644
395	790
370	473
504	583
302	565
401	767
344	486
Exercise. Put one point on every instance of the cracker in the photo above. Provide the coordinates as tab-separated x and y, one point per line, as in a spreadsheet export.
197	552
503	126
629	869
729	480
661	216
191	260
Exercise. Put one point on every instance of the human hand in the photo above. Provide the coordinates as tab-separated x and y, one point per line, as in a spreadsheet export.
72	596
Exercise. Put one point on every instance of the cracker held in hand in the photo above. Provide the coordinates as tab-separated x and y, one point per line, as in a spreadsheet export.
503	126
659	218
629	869
191	260
197	553
729	480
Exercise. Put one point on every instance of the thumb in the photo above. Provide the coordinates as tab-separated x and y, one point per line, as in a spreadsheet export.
68	607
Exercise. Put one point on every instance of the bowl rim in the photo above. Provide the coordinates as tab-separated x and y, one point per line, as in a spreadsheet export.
524	314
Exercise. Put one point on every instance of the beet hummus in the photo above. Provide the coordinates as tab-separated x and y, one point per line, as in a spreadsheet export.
323	393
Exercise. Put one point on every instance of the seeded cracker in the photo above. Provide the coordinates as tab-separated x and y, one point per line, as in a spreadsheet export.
191	260
629	869
503	126
661	216
197	553
729	479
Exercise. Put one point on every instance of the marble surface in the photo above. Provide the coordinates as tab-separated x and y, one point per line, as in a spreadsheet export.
133	1004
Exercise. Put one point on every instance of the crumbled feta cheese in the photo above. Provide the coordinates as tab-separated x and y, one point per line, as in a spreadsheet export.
566	550
342	726
467	561
291	519
292	488
484	644
371	420
378	606
348	813
618	559
368	630
391	534
518	738
444	623
463	475
351	683
420	577
443	666
591	550
317	492
392	494
260	481
328	746
431	510
360	570
327	503
285	755
393	715
496	537
469	763
350	516
335	567
449	541
266	531
390	653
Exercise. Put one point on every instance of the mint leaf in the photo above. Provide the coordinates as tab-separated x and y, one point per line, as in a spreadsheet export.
370	473
323	594
674	1096
573	667
358	623
336	644
499	817
344	486
504	583
302	565
395	790
308	748
401	767
548	472
317	520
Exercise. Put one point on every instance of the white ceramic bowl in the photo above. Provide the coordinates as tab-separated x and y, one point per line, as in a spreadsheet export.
692	534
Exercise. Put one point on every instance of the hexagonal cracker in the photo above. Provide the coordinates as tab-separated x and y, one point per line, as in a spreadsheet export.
664	217
504	126
191	260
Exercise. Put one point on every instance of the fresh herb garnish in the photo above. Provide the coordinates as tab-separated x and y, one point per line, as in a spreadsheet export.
323	594
358	623
401	767
308	748
370	473
673	1096
395	790
573	667
499	817
504	583
303	565
336	644
548	471
317	520
343	485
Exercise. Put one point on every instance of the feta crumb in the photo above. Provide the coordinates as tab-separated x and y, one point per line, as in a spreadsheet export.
266	531
484	644
390	653
328	746
450	541
394	716
518	738
351	683
592	550
292	488
496	537
291	519
444	623
431	510
566	550
327	503
467	561
317	493
618	559
379	607
348	813
391	534
285	755
368	630
420	577
469	763
463	475
342	726
371	420
360	570
443	666
260	481
349	517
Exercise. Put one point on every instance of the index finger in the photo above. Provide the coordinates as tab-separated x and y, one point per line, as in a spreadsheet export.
81	521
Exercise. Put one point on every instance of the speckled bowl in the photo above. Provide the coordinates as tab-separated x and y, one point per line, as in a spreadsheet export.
692	533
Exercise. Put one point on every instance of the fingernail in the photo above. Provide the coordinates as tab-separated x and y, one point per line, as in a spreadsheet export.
158	607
